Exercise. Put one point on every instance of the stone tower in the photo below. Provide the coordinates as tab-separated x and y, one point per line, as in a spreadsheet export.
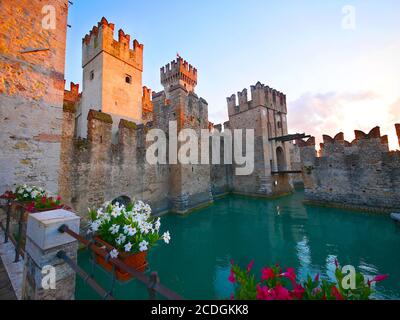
189	184
266	114
112	76
178	72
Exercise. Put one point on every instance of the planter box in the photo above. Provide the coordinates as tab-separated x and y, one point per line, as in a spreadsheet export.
136	261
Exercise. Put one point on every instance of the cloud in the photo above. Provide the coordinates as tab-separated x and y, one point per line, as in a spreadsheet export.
333	112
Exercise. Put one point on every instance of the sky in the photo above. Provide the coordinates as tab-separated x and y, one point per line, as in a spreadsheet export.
340	69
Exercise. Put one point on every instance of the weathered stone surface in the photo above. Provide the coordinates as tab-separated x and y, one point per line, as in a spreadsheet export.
43	242
361	174
31	93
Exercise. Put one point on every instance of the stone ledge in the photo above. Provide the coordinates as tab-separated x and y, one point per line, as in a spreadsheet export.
101	116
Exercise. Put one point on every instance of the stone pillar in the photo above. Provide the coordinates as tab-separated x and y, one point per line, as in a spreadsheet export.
43	242
398	131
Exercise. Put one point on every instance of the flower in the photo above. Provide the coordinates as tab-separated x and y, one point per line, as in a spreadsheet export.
263	293
128	247
250	266
121	239
157	224
166	237
298	291
290	274
143	246
267	273
114	229
114	253
336	293
281	293
231	277
316	278
380	278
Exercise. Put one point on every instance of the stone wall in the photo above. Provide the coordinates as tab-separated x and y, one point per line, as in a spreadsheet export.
95	170
32	62
360	174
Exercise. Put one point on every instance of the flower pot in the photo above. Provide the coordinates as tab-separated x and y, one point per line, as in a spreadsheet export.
135	261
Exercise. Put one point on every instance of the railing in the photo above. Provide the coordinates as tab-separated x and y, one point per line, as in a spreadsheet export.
19	251
152	282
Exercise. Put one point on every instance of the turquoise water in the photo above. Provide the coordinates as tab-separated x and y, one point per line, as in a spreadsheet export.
196	262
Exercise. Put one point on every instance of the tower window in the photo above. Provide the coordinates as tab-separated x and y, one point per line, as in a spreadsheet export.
279	125
128	79
91	75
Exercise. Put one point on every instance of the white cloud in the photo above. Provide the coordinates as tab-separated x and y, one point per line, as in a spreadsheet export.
334	112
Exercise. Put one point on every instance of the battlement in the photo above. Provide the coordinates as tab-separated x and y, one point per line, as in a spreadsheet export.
101	39
261	95
180	72
147	104
72	95
371	142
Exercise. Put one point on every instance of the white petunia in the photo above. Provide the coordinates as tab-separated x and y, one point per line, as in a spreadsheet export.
95	225
128	247
166	237
114	253
143	246
157	224
121	239
114	229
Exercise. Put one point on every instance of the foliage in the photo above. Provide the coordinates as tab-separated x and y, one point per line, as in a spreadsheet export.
44	203
129	229
275	284
25	193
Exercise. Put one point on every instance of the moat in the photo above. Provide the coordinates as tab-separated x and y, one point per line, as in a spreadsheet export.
196	263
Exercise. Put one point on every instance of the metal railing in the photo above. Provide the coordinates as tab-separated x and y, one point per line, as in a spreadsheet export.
20	208
152	282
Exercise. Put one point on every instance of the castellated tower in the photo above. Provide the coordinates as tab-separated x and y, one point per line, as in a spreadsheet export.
178	72
112	76
266	114
189	184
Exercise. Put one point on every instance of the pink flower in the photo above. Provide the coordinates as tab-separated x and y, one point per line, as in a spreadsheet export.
290	274
336	293
267	273
298	292
232	277
263	293
316	278
281	293
380	278
250	266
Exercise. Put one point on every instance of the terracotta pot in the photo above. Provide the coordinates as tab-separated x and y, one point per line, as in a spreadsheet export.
136	261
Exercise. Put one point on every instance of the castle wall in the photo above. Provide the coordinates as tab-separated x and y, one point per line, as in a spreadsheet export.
360	174
31	93
189	184
96	170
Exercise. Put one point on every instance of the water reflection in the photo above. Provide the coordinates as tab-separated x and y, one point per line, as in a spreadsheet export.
196	263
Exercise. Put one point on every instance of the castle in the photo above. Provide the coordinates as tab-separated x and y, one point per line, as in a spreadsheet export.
361	174
104	132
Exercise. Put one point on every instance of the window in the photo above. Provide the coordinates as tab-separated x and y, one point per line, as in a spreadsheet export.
279	125
91	75
128	79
